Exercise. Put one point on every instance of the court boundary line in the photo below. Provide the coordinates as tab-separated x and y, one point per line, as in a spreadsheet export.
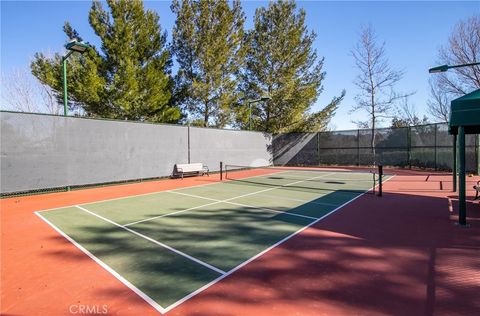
178	252
115	274
241	265
144	296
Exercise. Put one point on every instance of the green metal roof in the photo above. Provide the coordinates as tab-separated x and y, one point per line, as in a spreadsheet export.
465	111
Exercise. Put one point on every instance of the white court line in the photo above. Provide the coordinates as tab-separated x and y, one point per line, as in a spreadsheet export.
182	300
233	198
249	206
299	200
157	192
154	241
132	287
272	210
168	214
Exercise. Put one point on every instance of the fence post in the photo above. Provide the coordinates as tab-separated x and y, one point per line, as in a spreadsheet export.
454	167
462	204
409	145
188	141
358	147
318	148
477	152
435	147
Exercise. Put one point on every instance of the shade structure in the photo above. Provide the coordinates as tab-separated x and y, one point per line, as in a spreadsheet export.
464	119
465	111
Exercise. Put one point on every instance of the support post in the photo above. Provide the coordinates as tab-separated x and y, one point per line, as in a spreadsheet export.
188	142
221	170
409	145
478	154
65	97
358	147
462	204
380	178
435	149
454	167
318	148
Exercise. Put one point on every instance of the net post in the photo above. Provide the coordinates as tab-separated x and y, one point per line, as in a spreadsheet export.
221	171
380	176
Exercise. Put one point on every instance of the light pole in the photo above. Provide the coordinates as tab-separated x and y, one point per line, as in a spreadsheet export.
250	102
444	68
72	46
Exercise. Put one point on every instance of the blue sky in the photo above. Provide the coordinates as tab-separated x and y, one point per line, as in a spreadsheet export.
413	32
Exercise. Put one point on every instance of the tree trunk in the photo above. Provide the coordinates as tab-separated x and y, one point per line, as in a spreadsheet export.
206	115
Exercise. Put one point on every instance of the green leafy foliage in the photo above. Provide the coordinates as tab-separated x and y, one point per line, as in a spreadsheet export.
281	62
129	78
207	42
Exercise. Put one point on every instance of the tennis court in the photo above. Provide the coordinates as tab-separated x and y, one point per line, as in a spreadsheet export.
170	245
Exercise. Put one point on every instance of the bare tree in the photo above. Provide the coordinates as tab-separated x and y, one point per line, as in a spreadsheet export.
463	47
24	93
375	81
439	104
407	115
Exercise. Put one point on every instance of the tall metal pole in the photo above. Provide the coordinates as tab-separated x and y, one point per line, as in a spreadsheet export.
462	204
478	154
454	168
65	97
65	93
435	149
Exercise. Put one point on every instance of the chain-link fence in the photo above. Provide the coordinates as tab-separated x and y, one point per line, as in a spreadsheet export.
424	146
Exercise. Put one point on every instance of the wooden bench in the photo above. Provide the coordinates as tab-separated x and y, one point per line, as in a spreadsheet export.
477	190
190	169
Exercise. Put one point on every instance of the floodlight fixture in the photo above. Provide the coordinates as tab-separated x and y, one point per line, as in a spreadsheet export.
72	46
444	68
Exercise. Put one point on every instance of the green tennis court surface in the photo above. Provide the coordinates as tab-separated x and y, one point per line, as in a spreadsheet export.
168	246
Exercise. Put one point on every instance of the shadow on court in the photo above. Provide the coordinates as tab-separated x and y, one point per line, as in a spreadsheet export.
398	255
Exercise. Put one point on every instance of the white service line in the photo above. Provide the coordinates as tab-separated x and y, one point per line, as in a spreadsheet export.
299	200
226	200
248	206
271	210
168	214
154	241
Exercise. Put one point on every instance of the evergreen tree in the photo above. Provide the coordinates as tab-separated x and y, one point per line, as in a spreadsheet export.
281	62
129	78
207	42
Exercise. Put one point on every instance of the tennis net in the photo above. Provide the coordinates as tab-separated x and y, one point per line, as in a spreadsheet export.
308	179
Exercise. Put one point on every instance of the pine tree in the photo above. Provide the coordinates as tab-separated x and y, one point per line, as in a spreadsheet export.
281	62
130	78
207	42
